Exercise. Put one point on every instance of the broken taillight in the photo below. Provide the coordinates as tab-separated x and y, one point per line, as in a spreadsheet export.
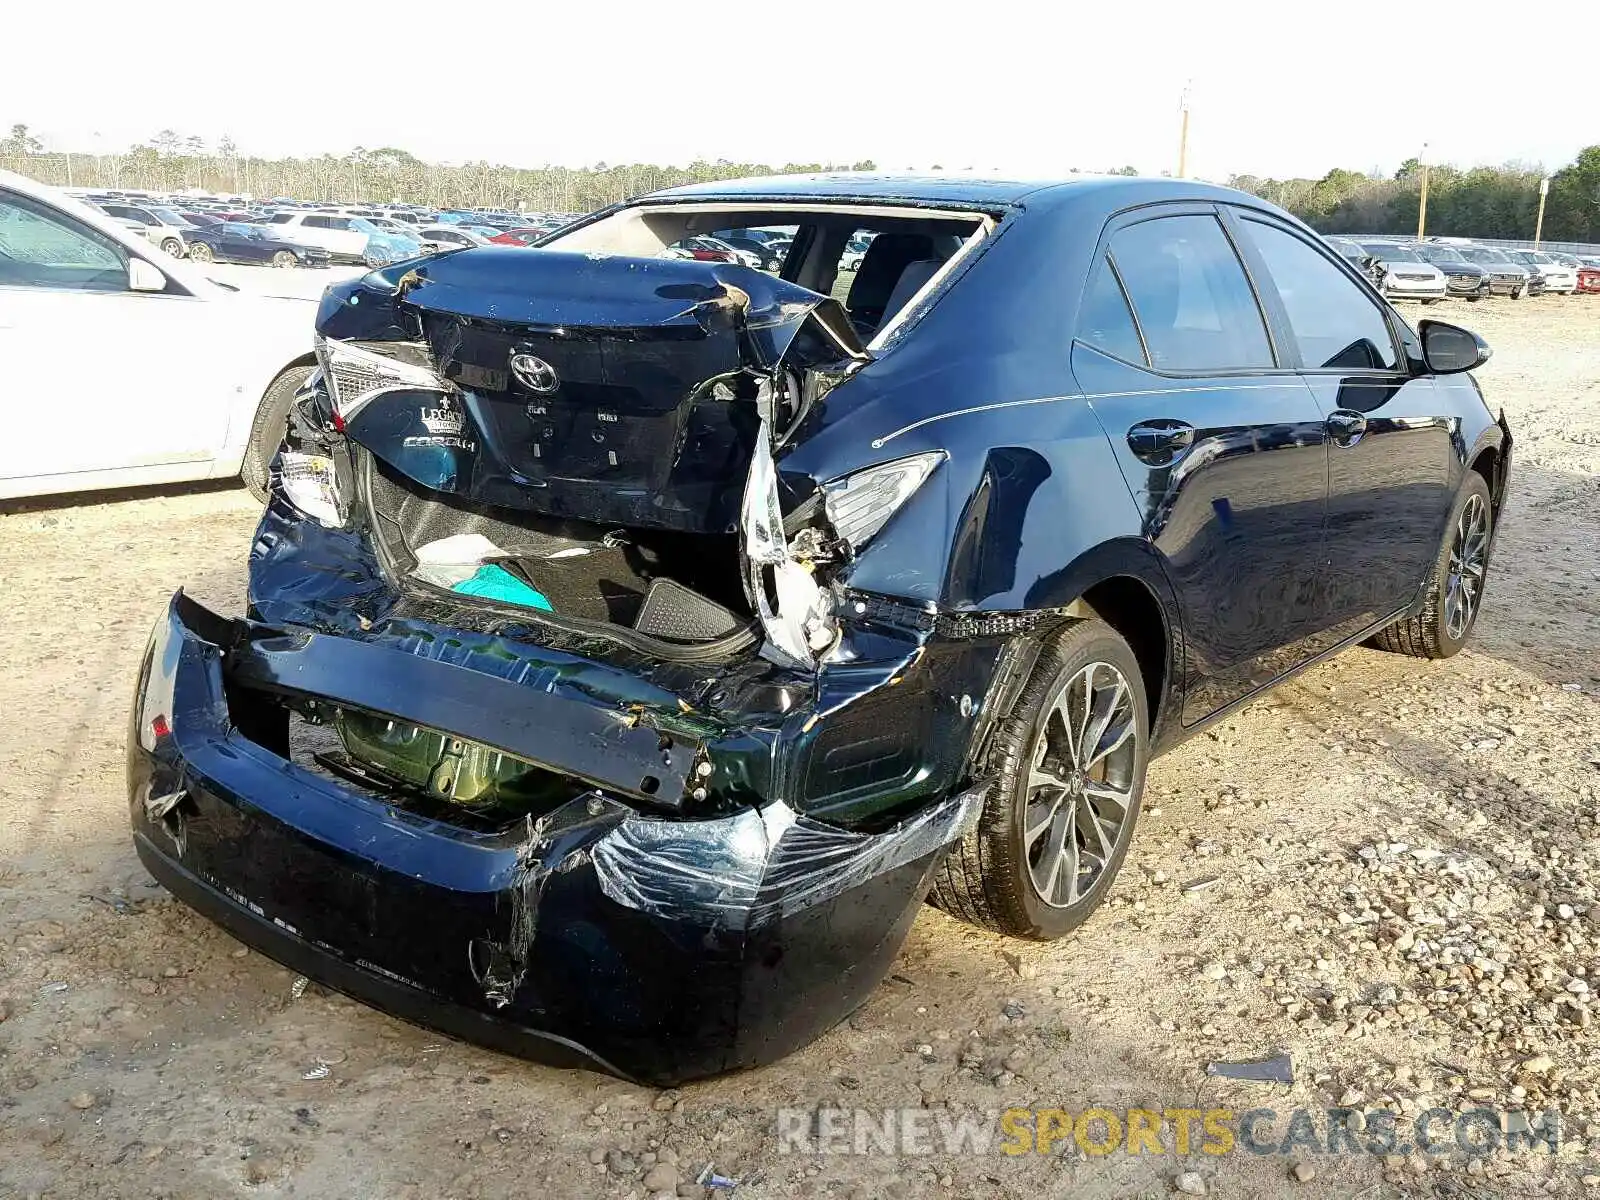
358	373
311	483
860	504
796	613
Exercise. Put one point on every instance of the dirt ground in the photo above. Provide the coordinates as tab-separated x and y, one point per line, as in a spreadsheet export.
1404	857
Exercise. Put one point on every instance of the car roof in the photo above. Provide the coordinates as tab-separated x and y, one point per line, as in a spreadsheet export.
959	189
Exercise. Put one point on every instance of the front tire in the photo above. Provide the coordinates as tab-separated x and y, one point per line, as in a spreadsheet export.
1057	823
200	252
266	431
173	247
1455	589
1516	293
284	258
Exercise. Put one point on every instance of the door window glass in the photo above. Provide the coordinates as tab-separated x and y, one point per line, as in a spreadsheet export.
42	248
1193	299
1335	323
1105	322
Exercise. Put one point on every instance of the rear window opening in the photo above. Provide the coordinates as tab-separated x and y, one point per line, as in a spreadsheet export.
876	260
673	588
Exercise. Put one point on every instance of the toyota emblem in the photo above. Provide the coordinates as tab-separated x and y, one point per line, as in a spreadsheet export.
535	374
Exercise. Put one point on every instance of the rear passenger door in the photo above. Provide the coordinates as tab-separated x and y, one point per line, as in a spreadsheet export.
1389	448
1220	443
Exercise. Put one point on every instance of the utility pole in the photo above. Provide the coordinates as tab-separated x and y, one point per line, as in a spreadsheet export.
1538	224
1183	131
1422	206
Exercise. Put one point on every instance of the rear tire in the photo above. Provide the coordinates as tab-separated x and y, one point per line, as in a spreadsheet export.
173	247
1455	589
266	431
200	252
1057	823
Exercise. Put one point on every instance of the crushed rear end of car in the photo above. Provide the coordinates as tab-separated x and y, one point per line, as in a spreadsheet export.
548	724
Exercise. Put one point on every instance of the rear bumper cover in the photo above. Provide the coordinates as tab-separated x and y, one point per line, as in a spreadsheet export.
659	949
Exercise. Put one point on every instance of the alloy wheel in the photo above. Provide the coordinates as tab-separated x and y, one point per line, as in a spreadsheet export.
1469	561
283	258
200	252
1080	787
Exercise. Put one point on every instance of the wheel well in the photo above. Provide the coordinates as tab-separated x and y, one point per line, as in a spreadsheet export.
1129	607
1487	464
305	360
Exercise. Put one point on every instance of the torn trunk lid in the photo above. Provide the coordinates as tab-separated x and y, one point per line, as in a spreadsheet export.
589	386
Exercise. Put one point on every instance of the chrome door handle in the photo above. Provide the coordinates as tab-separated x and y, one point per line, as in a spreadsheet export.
1345	427
1160	441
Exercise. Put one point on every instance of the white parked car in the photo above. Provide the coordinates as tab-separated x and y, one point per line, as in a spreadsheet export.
1406	274
1558	277
346	238
150	371
162	226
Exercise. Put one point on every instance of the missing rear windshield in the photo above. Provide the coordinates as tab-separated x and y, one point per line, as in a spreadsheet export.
874	259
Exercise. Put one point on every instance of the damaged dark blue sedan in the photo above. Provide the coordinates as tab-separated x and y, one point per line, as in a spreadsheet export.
635	642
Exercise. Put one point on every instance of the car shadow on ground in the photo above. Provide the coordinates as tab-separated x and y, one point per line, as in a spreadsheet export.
102	496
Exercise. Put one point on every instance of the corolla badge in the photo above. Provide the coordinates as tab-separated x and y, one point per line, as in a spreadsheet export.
535	374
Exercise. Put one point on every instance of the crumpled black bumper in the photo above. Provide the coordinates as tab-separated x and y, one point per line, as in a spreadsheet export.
661	949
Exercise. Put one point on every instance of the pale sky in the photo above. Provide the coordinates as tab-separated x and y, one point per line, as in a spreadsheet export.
1019	89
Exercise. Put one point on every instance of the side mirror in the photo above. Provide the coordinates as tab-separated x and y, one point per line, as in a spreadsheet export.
1448	349
145	277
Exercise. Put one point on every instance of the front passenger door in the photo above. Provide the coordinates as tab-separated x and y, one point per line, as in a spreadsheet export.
1389	448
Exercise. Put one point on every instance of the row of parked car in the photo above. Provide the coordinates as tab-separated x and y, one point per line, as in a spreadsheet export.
289	233
1438	268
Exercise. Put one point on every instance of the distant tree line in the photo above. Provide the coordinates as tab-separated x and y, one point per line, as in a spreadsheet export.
1485	202
170	162
1494	202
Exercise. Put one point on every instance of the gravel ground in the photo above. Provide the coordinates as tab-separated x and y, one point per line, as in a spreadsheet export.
1403	856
